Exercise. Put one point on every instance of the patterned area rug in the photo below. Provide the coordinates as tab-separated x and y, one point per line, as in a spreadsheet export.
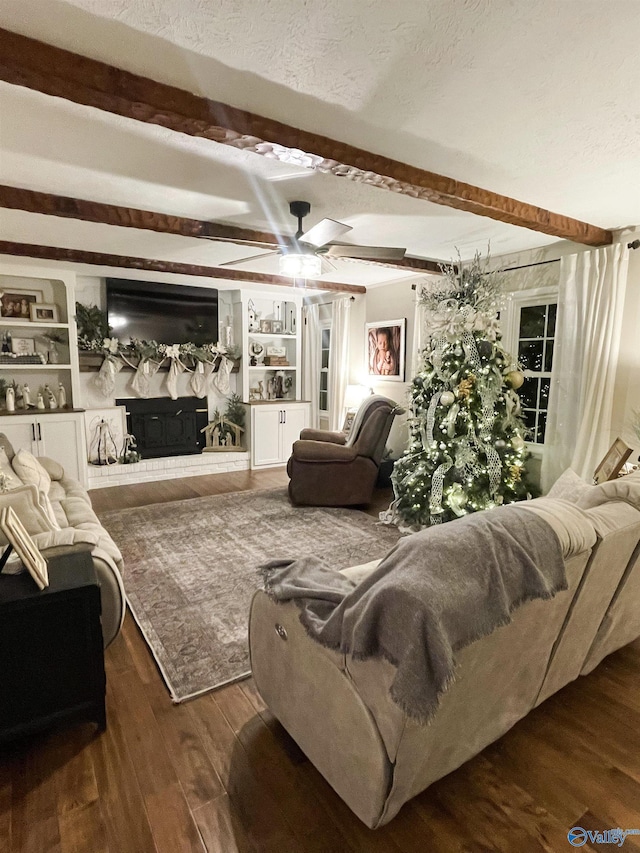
190	572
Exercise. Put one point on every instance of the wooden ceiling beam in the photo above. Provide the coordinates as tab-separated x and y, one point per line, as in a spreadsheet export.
79	256
49	204
60	73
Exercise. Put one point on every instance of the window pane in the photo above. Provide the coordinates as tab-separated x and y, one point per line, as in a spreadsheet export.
325	358
323	401
530	354
544	393
529	418
532	321
551	322
326	338
548	357
324	377
529	393
542	426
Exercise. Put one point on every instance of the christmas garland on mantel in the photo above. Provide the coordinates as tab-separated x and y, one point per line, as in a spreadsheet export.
146	357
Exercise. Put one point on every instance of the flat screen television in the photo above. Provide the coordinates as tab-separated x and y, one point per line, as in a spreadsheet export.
166	313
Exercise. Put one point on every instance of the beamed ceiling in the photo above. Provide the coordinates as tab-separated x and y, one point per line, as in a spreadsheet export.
137	129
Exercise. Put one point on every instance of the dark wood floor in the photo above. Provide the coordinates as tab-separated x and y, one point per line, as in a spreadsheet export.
219	773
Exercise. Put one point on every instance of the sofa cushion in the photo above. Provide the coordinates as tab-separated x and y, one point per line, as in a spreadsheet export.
54	469
8	447
25	504
569	487
30	471
625	488
12	481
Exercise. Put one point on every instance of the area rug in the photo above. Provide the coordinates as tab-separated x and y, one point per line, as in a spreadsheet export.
191	569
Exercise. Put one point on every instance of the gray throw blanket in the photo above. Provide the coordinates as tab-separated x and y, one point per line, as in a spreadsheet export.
434	593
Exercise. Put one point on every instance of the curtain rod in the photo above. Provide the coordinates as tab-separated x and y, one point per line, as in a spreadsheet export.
331	301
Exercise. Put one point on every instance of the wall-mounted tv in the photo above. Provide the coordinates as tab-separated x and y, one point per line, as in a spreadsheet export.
166	313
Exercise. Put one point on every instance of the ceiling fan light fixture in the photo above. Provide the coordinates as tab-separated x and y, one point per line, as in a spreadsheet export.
299	265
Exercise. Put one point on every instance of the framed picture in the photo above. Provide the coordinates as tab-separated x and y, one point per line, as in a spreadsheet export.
265	327
276	327
44	312
348	422
613	461
385	349
17	304
24	547
23	346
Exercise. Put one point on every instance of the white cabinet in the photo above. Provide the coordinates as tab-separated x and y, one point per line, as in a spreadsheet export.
59	436
273	429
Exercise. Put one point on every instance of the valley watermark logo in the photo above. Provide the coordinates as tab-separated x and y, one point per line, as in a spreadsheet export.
578	836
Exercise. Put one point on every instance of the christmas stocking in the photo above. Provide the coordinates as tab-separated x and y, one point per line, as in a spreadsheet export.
221	379
198	381
172	379
105	380
141	381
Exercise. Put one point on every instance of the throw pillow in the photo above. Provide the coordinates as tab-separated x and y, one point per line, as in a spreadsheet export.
625	489
31	472
9	479
25	504
569	487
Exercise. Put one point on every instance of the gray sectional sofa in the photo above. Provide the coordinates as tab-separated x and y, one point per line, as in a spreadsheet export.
339	709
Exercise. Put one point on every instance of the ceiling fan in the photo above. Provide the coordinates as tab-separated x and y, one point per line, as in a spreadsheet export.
307	253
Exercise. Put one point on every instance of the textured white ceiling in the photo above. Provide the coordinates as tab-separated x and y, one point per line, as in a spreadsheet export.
537	100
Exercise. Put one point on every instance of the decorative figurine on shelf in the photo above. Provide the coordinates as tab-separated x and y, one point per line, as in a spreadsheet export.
260	389
271	392
278	383
40	403
256	349
11	399
50	397
62	396
26	397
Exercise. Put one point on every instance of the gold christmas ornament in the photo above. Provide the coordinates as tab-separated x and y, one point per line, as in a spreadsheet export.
515	378
465	386
515	472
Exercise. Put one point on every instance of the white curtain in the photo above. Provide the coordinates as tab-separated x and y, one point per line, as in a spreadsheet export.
338	361
311	359
590	309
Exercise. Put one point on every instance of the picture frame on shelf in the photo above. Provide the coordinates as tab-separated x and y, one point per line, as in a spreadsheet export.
16	304
23	346
613	462
265	327
44	312
24	546
276	327
385	349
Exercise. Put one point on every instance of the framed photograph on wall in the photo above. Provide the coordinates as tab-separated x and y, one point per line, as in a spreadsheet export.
385	349
24	546
613	461
16	305
44	312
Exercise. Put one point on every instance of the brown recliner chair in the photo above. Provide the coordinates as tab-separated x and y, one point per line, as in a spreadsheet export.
329	469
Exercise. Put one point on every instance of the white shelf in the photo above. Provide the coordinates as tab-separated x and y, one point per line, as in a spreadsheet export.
30	324
271	335
264	367
47	366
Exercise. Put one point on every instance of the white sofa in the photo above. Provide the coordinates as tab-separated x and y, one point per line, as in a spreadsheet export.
339	710
74	524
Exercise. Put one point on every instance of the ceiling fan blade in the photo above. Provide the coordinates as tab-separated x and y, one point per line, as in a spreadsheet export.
324	232
248	259
382	253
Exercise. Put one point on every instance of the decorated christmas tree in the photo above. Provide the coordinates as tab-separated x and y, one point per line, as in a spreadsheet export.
466	437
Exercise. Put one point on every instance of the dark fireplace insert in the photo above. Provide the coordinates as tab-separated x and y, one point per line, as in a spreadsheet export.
165	427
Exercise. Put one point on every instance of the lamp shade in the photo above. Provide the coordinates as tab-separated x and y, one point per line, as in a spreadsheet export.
354	395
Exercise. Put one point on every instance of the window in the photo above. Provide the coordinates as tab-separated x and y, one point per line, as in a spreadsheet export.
325	342
529	325
536	336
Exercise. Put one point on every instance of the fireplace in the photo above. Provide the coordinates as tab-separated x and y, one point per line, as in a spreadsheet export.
165	427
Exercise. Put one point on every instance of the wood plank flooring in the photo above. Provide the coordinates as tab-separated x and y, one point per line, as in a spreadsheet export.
219	774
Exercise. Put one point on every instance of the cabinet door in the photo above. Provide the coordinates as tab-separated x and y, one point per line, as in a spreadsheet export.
60	438
296	418
21	432
265	435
